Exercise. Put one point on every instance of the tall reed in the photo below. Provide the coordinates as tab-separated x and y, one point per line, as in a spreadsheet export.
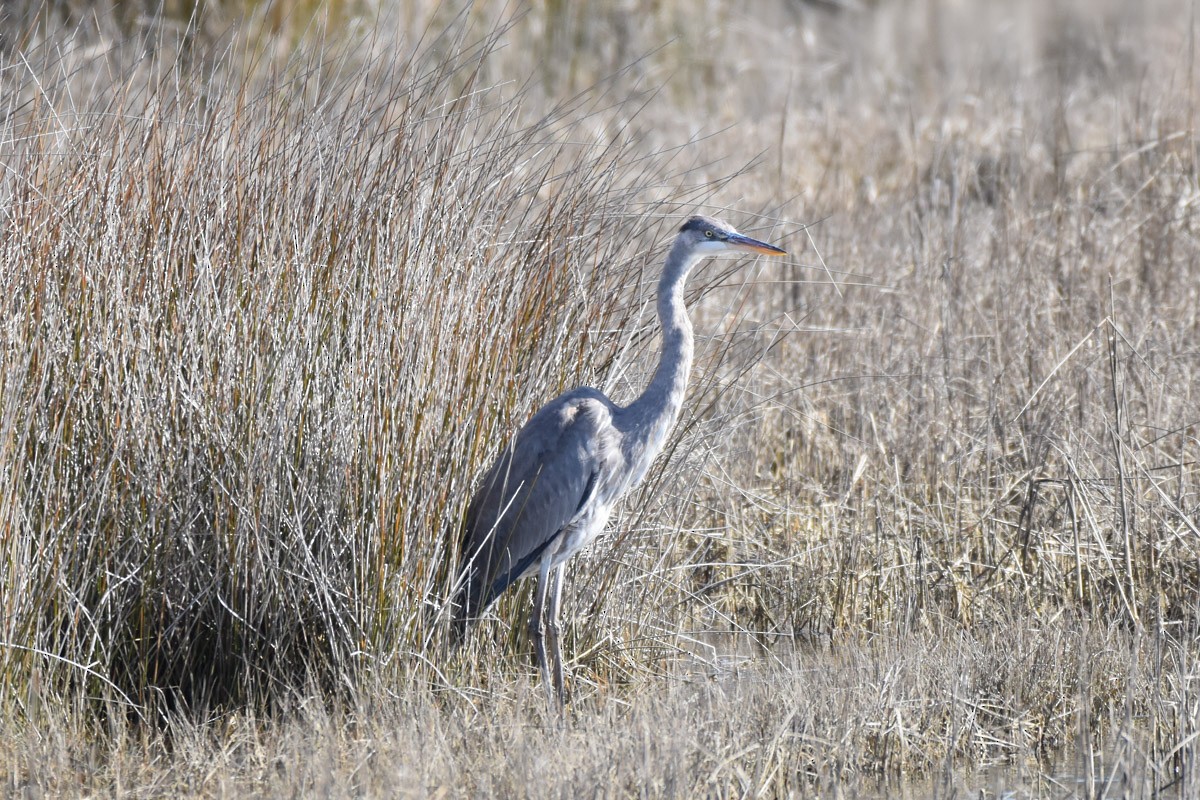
261	329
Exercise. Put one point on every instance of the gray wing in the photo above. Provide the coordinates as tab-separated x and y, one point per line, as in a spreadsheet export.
536	488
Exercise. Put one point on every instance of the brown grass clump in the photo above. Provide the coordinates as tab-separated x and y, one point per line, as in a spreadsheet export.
273	294
256	345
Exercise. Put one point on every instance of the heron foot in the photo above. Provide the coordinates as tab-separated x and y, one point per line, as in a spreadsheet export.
544	632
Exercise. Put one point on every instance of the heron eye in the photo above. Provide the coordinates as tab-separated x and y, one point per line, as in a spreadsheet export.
709	234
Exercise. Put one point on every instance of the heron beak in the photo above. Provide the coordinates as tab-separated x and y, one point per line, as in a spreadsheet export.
741	242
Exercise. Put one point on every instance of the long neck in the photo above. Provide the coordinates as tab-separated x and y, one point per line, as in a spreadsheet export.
655	411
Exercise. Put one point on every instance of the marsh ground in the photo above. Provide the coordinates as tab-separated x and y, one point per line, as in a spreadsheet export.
278	283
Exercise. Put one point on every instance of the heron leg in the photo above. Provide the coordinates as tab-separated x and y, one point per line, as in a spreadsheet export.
553	630
537	627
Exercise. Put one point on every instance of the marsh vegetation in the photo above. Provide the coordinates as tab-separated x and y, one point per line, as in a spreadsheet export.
278	280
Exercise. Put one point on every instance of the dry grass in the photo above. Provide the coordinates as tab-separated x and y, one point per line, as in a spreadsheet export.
273	296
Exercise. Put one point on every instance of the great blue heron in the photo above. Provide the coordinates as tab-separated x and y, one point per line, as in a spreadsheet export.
550	492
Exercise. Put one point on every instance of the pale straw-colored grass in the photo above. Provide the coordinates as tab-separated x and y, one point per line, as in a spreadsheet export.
273	297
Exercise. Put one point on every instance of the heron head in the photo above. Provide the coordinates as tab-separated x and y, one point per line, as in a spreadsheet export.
710	236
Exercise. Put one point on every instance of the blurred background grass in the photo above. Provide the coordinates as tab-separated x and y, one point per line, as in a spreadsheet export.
279	278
